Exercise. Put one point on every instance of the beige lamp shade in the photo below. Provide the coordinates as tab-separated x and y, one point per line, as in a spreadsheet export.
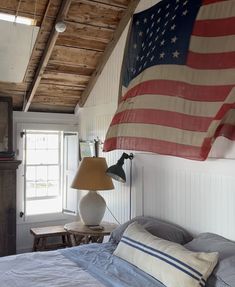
91	175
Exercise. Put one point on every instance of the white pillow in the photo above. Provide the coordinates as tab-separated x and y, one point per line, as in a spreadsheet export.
169	262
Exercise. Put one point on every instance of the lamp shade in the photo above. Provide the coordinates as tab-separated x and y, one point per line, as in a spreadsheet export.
116	171
91	175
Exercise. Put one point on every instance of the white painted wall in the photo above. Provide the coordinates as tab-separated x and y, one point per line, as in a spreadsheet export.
24	238
197	195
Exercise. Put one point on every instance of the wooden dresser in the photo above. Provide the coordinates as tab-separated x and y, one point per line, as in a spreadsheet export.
8	206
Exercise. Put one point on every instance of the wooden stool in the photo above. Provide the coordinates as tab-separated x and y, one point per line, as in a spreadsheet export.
42	233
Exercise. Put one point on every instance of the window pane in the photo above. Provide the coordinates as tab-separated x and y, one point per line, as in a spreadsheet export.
30	189
30	157
53	172
37	157
41	141
41	173
31	173
52	157
53	188
41	188
31	141
53	141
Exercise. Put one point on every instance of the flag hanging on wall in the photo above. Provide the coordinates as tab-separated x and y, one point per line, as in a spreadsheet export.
178	80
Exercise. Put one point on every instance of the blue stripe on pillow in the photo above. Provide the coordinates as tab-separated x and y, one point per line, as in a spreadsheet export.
159	257
165	254
203	282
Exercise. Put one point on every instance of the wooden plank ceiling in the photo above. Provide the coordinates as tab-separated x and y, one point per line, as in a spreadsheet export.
77	55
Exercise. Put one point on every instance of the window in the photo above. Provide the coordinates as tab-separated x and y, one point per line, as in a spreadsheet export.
50	161
18	36
43	172
17	19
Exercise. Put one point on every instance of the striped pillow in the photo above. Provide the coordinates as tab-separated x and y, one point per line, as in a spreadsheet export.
169	262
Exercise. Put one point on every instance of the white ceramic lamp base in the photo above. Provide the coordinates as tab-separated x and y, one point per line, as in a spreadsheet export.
92	208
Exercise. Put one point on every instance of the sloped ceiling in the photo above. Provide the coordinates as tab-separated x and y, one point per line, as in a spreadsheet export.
64	66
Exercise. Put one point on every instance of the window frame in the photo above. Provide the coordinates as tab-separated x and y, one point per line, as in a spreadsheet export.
20	172
59	164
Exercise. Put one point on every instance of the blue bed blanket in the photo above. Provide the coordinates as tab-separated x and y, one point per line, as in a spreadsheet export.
97	259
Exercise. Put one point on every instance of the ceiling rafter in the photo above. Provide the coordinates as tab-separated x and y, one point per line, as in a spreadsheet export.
64	8
40	31
55	83
107	3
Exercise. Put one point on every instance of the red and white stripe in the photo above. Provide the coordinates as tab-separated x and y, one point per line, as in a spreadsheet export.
180	110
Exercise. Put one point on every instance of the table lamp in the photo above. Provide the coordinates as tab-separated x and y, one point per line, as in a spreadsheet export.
91	176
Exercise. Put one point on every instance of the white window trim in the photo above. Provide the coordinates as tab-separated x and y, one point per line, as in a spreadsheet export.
20	173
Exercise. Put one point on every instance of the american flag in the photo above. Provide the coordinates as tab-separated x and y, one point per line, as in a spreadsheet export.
178	80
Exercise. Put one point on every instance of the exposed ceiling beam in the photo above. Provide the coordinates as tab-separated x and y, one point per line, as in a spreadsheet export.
108	3
65	4
40	31
108	51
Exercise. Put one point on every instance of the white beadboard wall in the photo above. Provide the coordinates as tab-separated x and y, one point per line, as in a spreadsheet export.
197	195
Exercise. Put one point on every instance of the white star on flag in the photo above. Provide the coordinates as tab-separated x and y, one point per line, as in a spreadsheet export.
176	54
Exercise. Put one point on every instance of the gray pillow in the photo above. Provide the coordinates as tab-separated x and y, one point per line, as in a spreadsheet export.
224	274
156	227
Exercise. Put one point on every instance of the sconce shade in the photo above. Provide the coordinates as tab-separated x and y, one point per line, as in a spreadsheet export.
91	175
116	171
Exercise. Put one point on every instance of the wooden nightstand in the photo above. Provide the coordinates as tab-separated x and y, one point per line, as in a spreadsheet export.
85	234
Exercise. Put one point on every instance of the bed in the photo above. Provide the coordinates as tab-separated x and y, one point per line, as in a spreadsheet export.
95	265
88	266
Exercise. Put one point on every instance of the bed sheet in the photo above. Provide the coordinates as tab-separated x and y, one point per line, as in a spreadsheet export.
90	265
43	269
99	261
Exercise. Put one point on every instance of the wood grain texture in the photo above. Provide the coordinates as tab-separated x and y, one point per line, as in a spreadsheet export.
117	3
79	228
74	57
95	14
8	207
63	79
41	234
63	10
52	108
86	37
109	49
77	53
29	8
85	71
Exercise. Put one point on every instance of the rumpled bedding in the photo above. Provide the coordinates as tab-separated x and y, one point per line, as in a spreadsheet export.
91	265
